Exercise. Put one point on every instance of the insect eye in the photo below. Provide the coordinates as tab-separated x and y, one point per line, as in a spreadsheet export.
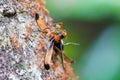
62	36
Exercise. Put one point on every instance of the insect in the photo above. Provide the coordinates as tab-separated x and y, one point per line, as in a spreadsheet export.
45	11
33	11
41	2
20	1
14	42
56	42
28	30
21	9
57	45
27	3
29	27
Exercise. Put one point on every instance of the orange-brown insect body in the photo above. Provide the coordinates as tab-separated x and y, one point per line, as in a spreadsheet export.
27	3
29	27
14	42
26	36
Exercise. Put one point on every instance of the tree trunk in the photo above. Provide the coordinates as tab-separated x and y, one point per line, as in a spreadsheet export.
23	44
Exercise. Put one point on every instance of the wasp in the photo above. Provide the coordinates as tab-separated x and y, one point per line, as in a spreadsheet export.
57	46
56	42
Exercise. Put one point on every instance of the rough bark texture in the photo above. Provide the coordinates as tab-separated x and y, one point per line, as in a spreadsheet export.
23	45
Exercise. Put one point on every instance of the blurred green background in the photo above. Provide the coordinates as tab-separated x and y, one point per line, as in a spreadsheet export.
95	25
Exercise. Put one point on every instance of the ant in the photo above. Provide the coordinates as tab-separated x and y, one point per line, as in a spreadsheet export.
14	42
28	30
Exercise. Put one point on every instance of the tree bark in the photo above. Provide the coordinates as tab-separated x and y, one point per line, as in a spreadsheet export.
23	45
